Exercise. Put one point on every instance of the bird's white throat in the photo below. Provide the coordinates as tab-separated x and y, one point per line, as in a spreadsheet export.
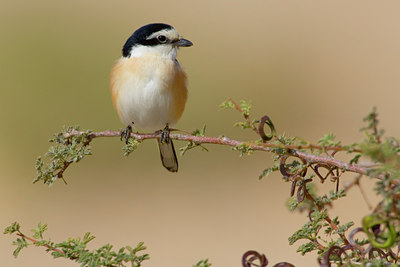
167	51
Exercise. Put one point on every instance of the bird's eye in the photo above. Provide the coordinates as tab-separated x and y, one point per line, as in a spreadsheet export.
161	38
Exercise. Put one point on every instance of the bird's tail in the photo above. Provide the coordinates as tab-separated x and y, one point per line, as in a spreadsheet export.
167	154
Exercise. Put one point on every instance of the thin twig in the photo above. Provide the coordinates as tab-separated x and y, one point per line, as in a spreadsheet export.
34	241
356	182
328	219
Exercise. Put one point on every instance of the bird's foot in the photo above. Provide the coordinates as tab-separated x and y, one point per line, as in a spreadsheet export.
126	133
164	134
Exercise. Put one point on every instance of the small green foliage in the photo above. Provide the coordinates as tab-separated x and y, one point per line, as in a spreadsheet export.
76	249
203	263
377	262
245	124
310	230
329	230
292	203
285	140
244	149
356	158
343	228
319	223
282	141
20	243
328	141
269	170
327	199
371	130
38	232
191	144
14	227
131	146
228	104
307	247
351	147
69	147
200	132
244	107
385	153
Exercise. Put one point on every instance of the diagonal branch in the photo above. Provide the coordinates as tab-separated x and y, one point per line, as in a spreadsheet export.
266	147
34	241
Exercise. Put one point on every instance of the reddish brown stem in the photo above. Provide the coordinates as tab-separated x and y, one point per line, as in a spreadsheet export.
320	208
34	241
267	147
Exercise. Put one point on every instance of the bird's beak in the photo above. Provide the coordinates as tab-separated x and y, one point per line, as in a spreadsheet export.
183	43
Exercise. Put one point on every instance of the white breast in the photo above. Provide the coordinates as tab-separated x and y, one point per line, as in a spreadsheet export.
148	91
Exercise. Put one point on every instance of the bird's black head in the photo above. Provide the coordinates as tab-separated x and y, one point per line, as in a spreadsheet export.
140	37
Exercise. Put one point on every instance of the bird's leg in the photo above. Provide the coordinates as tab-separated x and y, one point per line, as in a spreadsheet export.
165	134
126	133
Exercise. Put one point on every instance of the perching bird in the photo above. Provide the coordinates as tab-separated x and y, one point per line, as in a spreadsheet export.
148	85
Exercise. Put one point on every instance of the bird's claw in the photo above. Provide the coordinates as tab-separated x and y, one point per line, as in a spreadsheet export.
164	134
126	133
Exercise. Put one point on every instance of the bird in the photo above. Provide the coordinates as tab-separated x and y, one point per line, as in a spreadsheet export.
149	86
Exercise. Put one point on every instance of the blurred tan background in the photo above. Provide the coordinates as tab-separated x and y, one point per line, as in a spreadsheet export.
314	67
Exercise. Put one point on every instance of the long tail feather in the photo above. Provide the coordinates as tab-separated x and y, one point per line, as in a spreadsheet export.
168	156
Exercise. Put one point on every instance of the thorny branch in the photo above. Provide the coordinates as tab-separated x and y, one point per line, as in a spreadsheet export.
266	147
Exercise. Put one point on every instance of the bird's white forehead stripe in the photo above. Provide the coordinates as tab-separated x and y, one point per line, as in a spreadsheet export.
170	34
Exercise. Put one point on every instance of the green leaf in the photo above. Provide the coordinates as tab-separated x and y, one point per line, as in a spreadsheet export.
246	107
228	104
131	146
269	170
38	232
69	147
244	149
355	159
203	263
307	247
328	141
14	227
20	243
190	145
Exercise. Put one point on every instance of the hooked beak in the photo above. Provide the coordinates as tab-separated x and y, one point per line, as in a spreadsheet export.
183	43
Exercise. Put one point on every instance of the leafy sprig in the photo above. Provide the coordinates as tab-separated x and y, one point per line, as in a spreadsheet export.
76	249
66	150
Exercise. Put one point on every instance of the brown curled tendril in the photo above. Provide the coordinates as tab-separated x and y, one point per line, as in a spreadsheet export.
266	120
351	237
325	166
302	191
381	253
293	188
250	256
334	250
283	264
284	171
